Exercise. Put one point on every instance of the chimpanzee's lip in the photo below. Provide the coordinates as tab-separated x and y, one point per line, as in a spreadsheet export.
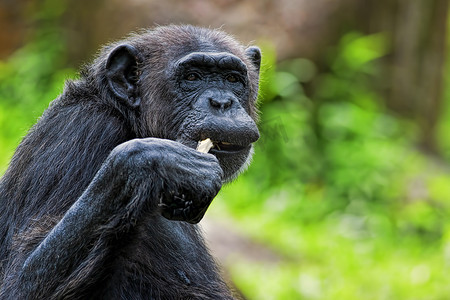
227	148
219	146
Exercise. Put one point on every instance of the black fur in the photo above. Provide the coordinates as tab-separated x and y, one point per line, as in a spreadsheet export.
101	197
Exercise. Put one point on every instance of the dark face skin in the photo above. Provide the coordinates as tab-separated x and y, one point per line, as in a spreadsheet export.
214	90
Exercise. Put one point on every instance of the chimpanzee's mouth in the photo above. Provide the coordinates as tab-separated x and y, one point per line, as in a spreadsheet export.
225	147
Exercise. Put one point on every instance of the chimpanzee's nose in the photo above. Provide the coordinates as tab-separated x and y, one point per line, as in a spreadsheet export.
222	103
217	101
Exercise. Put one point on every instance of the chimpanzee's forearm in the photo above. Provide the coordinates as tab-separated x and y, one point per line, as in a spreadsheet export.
67	246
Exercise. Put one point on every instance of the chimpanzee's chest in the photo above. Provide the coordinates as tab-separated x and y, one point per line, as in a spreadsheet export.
162	268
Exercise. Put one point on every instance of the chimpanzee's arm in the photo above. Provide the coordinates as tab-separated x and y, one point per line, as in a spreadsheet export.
147	176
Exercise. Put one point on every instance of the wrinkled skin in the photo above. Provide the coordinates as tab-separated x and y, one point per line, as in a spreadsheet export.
101	198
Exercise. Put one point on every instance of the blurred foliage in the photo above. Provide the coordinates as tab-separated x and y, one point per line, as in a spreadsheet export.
31	77
337	187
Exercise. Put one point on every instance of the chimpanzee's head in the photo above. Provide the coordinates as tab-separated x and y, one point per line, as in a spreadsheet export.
188	84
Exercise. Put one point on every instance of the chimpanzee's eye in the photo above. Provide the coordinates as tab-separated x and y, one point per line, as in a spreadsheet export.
192	77
232	78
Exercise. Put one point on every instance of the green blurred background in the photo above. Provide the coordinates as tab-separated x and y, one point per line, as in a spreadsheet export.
349	191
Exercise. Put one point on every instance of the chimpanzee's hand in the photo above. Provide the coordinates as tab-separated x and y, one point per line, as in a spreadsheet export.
185	180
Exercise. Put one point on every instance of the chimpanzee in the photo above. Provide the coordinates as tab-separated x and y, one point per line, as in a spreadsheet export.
102	197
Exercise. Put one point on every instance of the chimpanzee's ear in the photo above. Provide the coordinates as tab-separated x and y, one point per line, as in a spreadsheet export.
254	54
122	74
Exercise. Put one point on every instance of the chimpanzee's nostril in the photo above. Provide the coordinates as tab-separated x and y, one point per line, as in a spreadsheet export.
227	103
214	103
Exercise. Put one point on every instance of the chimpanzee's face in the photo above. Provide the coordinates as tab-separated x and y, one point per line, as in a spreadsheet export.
210	92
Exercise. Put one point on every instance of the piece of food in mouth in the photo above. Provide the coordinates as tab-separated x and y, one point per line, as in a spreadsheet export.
205	145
